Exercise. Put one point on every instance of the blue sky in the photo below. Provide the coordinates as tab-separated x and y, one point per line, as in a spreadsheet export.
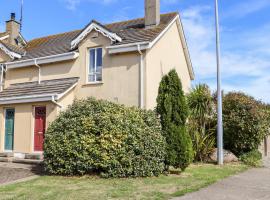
245	31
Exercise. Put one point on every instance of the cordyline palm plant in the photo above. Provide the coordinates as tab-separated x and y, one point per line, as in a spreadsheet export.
201	121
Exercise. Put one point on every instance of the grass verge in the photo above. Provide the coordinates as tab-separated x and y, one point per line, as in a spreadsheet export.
94	188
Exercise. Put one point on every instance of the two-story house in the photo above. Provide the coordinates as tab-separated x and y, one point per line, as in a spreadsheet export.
121	62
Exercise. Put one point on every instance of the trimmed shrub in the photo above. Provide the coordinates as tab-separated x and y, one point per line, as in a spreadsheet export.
244	127
252	158
97	136
173	111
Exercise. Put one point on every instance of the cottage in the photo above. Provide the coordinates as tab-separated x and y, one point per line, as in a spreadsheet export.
121	62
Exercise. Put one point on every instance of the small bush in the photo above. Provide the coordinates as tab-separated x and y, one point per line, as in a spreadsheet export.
252	158
173	111
96	136
244	127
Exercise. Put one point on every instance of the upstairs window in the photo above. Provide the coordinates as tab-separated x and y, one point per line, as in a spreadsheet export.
95	65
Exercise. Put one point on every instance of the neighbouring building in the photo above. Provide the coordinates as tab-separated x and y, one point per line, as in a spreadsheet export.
121	62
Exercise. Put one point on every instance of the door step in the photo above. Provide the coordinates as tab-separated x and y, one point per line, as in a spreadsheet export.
7	154
27	161
34	159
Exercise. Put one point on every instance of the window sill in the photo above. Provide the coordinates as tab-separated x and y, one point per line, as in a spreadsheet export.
93	83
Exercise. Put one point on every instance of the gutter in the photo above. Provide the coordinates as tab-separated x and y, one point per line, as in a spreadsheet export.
128	47
56	103
31	98
42	60
141	77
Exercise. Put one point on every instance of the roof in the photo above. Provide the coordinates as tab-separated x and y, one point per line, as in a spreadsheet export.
13	48
130	31
50	88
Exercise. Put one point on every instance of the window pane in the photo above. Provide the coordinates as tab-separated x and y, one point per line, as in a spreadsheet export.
99	69
99	57
99	77
92	61
91	78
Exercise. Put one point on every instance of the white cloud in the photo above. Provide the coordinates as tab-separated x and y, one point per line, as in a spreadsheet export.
246	7
245	54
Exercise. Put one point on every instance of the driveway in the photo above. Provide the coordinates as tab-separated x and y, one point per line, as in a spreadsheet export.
253	184
12	173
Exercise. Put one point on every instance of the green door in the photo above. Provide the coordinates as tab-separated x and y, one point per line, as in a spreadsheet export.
9	129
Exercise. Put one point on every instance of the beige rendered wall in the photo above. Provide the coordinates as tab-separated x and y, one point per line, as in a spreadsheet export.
24	125
166	54
120	73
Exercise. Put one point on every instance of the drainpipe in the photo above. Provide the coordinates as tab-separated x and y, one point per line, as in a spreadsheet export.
39	71
56	103
2	77
141	77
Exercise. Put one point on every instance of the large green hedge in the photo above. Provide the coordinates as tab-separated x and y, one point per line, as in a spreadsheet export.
96	136
244	123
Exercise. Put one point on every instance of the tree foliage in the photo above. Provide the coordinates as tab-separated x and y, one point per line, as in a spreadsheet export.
173	111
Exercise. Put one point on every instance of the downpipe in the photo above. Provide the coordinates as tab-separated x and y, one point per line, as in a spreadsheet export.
141	78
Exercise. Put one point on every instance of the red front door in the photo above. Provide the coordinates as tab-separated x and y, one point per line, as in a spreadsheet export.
40	124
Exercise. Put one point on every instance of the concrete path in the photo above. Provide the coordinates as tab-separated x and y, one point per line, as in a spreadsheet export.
253	184
13	173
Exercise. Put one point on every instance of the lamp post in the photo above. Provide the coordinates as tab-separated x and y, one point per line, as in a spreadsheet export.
219	92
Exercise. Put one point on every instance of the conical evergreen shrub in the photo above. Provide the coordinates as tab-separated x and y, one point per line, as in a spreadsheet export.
173	110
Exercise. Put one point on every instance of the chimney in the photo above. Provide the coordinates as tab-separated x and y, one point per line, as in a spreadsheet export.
152	13
13	28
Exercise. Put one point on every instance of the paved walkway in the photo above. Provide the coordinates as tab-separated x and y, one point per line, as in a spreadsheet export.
253	184
12	173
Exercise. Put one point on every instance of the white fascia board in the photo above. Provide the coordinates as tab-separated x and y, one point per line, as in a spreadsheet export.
185	48
4	37
113	36
128	48
9	53
26	99
42	60
24	41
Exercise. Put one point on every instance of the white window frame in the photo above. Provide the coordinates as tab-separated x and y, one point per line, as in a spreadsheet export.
96	67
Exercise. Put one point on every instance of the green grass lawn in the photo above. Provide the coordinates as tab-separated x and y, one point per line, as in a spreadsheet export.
163	187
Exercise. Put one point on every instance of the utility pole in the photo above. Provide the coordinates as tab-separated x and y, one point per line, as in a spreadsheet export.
219	91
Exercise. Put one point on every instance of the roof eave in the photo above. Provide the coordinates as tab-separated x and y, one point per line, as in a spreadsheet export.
10	53
26	99
42	60
36	98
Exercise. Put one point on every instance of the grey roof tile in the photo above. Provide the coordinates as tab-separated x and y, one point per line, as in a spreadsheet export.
53	87
130	31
